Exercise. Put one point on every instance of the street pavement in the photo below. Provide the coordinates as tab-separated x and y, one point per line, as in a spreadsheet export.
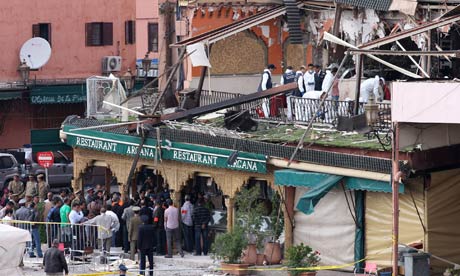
189	266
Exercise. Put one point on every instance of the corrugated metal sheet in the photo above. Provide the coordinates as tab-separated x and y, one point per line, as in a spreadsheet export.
380	5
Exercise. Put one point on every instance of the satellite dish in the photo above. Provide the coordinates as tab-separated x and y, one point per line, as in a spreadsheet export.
35	52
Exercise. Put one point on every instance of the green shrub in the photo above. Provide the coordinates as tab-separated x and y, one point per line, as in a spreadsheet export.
228	246
301	255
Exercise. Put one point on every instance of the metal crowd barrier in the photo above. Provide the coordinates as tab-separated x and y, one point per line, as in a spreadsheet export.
80	242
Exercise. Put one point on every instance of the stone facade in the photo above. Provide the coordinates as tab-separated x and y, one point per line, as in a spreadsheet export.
174	173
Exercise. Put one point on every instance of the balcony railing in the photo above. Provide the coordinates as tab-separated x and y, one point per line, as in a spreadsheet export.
299	110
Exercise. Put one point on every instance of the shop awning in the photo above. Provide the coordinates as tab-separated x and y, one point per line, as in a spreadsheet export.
58	94
47	140
311	179
322	183
233	28
10	95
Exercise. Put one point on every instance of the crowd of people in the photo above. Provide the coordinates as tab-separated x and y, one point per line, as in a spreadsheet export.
149	223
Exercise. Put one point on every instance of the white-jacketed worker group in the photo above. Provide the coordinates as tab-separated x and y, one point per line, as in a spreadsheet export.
312	83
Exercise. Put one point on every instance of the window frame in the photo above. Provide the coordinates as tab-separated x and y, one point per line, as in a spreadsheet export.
151	37
37	31
130	32
103	38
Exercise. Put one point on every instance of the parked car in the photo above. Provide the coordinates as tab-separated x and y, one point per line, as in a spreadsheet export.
9	166
60	174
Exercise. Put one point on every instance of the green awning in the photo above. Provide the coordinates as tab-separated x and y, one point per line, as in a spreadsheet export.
58	94
310	179
308	201
10	95
355	183
322	183
299	178
47	140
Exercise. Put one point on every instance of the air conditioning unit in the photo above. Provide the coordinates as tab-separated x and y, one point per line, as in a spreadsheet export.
111	64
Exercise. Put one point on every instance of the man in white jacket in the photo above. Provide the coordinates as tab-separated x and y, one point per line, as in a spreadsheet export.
309	79
372	85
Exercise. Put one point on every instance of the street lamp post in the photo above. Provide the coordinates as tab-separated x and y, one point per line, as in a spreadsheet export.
24	70
128	80
146	64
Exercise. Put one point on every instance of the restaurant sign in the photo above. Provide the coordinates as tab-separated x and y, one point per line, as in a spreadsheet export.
196	154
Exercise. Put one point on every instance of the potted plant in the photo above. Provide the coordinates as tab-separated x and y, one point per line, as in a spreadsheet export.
249	215
228	248
272	250
302	256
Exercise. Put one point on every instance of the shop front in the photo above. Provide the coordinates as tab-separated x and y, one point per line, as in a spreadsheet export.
180	167
347	218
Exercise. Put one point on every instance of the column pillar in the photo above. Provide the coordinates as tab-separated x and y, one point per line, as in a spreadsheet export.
175	196
288	210
230	203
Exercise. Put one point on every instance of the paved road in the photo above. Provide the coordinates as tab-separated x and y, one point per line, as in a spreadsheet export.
189	266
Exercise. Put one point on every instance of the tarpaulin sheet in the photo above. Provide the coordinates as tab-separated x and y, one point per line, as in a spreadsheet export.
12	244
378	222
443	213
330	229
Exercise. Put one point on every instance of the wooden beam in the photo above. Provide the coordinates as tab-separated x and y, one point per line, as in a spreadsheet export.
229	103
435	159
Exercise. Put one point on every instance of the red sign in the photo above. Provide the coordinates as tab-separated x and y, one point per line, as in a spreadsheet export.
45	159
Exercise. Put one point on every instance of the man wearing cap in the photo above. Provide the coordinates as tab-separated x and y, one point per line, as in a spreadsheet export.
266	82
16	186
133	231
31	187
43	187
122	269
54	261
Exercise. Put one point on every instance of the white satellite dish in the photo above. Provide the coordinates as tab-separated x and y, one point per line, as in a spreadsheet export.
35	52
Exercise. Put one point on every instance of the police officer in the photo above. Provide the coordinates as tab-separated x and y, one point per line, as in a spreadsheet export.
43	187
266	82
16	186
31	187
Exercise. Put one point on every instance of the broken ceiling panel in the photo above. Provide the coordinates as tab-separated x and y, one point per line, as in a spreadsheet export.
380	5
364	28
404	6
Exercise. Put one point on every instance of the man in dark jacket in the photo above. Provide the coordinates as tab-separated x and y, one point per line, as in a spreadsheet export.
159	226
319	77
145	245
54	261
201	217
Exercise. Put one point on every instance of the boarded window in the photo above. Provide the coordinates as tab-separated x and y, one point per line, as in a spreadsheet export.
152	37
99	33
130	32
42	30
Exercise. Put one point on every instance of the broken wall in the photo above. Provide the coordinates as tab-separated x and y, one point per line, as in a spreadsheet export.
229	56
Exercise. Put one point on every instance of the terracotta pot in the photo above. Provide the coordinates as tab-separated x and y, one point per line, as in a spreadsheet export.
260	259
250	254
272	253
233	269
